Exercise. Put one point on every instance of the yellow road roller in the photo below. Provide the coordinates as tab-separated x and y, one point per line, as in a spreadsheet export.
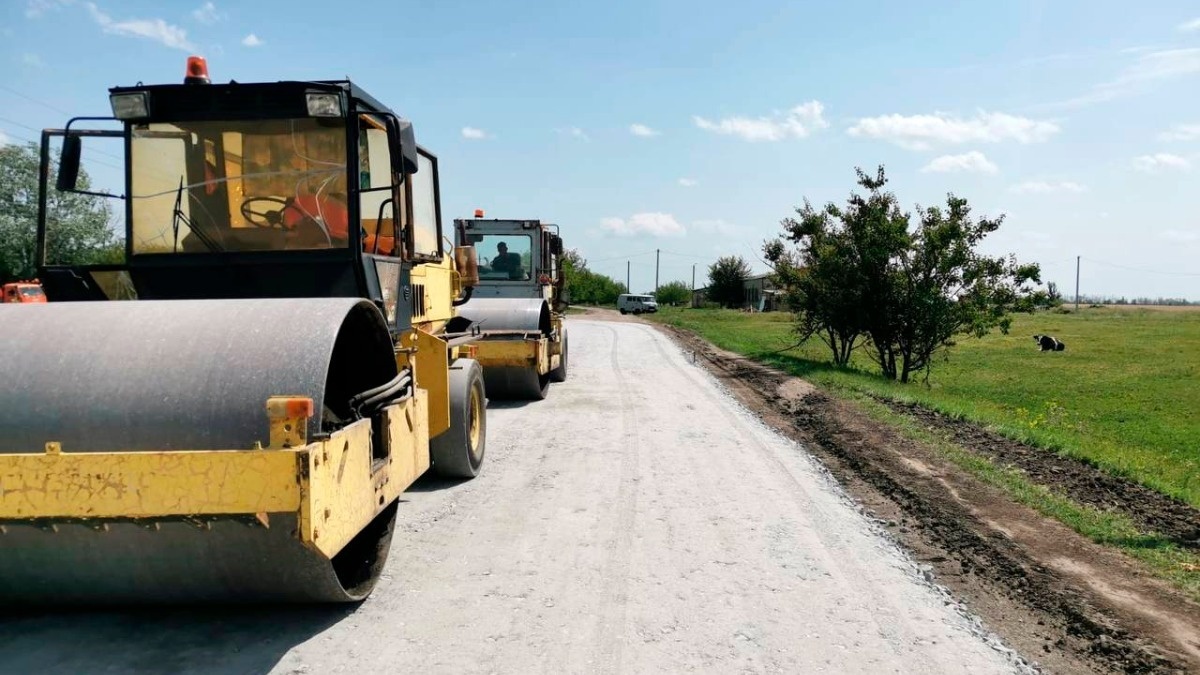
518	304
232	413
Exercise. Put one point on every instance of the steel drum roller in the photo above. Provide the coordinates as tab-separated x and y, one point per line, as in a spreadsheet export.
527	315
180	375
511	319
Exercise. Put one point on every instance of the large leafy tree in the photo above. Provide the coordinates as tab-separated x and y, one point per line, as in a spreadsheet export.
673	293
78	225
727	280
865	270
822	286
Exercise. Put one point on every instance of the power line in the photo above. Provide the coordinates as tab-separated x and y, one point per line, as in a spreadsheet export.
30	140
1134	269
34	100
621	257
39	131
684	255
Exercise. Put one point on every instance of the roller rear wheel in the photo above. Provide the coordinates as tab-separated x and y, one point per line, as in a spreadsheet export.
458	452
559	374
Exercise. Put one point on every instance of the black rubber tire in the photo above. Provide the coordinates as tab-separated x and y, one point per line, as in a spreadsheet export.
623	311
451	453
559	374
510	383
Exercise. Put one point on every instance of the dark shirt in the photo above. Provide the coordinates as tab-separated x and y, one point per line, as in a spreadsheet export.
508	262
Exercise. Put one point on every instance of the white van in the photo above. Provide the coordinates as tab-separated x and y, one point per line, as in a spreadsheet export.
628	302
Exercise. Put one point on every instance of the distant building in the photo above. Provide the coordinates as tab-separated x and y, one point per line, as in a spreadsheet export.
759	295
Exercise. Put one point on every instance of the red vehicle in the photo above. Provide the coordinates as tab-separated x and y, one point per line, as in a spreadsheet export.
22	291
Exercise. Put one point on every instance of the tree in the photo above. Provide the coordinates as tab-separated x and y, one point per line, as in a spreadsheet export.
865	271
821	286
78	225
727	280
586	287
1053	295
673	293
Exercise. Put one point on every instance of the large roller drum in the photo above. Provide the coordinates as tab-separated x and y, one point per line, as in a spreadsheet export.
512	319
181	375
509	315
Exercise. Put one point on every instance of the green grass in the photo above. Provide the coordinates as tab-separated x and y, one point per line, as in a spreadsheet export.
1125	395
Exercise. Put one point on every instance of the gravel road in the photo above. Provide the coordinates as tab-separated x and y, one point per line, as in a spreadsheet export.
637	520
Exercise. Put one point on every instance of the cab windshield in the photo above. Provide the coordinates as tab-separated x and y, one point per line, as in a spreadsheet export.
239	186
504	257
30	291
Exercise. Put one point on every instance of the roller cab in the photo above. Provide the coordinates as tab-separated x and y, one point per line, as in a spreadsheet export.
518	304
232	412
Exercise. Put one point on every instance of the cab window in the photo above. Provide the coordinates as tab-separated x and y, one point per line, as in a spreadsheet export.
426	228
377	193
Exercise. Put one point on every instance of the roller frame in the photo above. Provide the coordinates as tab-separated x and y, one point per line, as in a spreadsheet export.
322	494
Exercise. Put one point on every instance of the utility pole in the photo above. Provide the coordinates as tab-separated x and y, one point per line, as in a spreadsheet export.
693	303
627	288
1077	283
656	273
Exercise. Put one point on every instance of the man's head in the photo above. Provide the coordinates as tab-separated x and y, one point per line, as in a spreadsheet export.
502	248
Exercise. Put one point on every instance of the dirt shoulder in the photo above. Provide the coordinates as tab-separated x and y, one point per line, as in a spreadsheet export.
1063	601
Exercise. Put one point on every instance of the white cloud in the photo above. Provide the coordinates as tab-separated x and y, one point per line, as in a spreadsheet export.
970	162
799	122
252	40
687	182
36	8
652	224
32	60
152	29
1041	187
1150	68
642	130
3	139
473	133
921	132
1181	236
1160	160
1181	132
207	14
1190	26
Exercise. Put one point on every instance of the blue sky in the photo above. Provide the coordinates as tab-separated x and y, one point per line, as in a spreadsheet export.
695	128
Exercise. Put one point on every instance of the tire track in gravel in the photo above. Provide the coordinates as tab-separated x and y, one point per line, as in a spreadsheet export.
610	638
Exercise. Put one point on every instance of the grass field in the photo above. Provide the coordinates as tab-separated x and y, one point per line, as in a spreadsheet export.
1125	395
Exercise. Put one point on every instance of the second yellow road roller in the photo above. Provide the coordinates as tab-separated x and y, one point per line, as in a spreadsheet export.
519	304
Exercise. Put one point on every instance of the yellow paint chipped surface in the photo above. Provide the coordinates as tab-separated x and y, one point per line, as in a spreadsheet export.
348	486
142	484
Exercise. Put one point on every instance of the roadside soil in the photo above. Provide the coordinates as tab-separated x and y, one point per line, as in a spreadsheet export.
1064	602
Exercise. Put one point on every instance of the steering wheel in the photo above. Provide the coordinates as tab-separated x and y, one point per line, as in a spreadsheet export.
270	219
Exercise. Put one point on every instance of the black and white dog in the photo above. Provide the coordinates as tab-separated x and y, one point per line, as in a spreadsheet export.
1048	343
